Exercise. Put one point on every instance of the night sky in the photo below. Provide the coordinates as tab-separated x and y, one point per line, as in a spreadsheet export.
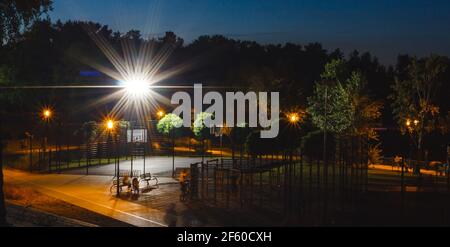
383	27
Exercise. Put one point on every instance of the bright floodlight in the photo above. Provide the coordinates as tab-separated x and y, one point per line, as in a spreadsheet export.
137	88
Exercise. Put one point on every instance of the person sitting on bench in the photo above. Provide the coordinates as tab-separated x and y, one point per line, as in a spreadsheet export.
135	185
184	181
127	182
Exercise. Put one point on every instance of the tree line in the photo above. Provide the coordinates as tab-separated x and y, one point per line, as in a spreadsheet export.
339	93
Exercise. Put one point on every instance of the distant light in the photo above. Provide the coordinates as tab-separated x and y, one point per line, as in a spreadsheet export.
408	122
416	122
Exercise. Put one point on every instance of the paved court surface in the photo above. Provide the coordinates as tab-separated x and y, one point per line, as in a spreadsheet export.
161	206
155	165
92	193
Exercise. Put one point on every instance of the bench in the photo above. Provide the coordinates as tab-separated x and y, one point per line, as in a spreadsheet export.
147	177
114	185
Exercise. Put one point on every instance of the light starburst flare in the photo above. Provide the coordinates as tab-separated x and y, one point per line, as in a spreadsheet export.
137	87
137	68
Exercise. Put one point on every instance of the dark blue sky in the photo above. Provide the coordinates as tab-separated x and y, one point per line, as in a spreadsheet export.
383	27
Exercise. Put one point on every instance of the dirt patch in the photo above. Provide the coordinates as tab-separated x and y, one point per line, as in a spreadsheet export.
30	198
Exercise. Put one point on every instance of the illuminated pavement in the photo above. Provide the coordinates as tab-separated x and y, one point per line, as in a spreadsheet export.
152	208
156	164
92	193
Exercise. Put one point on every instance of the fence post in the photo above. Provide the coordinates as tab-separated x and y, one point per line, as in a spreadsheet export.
99	153
145	154
68	153
50	159
39	159
88	147
260	179
207	180
203	178
194	180
228	188
366	175
58	154
80	155
300	183
241	185
448	174
215	184
31	152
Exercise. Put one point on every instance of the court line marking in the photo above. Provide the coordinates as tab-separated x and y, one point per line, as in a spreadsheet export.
95	203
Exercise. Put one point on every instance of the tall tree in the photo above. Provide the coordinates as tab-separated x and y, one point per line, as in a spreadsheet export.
16	16
413	98
201	130
330	105
341	103
366	111
168	126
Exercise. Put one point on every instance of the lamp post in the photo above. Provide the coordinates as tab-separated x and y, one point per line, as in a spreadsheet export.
110	127
152	122
47	115
160	114
294	120
411	126
416	123
30	140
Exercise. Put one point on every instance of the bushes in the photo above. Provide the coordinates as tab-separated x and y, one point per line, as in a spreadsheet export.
312	145
375	154
255	145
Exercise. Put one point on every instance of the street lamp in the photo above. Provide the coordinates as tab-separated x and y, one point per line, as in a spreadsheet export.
293	118
47	115
110	126
411	126
160	114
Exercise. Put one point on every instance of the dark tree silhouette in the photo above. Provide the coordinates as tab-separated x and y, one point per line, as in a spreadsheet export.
15	16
